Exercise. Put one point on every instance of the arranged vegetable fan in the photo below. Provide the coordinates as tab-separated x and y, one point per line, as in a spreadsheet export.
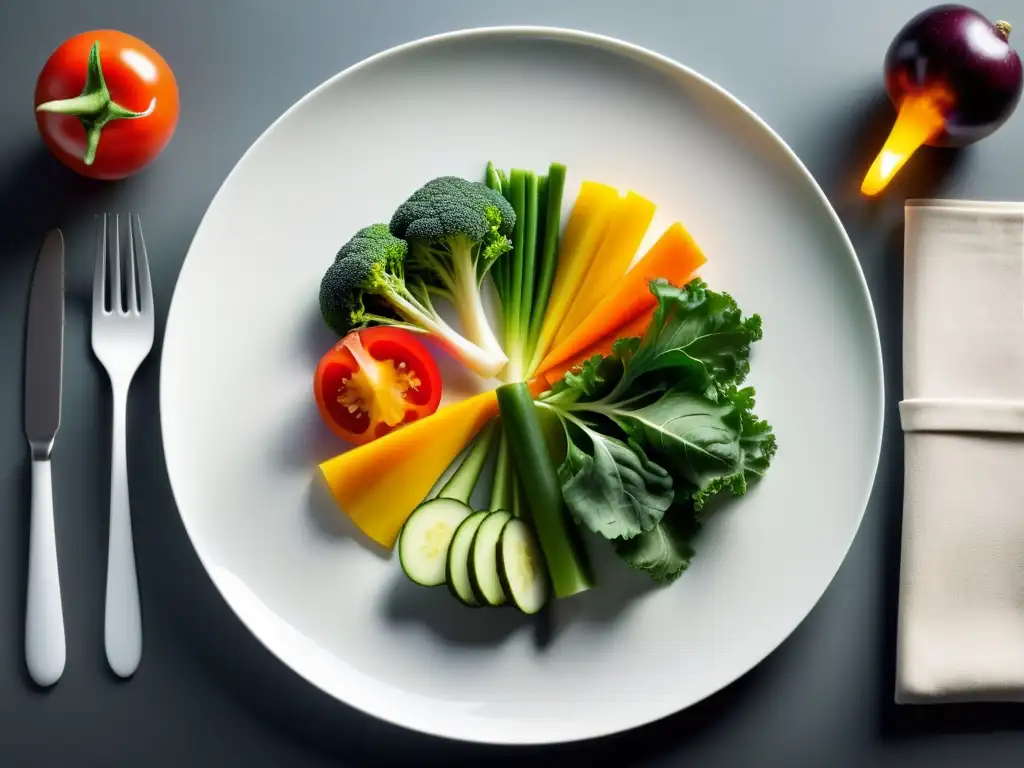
623	414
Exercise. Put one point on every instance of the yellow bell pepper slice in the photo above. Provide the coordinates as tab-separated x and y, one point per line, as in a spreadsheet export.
591	214
626	230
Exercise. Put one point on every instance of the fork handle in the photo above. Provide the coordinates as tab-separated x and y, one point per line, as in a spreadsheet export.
44	618
122	621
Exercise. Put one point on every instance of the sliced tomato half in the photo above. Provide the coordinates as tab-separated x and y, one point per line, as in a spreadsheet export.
375	380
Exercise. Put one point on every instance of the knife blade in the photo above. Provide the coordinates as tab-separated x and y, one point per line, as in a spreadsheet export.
44	346
44	361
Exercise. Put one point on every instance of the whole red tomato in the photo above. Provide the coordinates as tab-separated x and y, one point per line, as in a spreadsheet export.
106	104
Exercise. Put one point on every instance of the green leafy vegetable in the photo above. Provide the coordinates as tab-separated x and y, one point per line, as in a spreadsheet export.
701	440
659	429
613	489
698	337
666	550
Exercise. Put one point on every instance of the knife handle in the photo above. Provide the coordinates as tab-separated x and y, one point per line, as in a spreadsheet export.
44	618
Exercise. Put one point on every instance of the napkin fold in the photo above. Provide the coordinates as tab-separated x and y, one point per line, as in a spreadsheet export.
960	633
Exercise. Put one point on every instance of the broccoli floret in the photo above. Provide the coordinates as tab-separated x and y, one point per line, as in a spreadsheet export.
373	261
377	240
455	230
367	285
450	217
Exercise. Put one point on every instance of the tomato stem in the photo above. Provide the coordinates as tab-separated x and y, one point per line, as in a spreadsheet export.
93	107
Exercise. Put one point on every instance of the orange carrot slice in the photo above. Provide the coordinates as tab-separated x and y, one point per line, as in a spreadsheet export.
674	257
602	346
591	215
626	230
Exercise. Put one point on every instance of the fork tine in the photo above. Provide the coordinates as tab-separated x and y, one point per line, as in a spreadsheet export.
142	263
116	304
133	295
99	280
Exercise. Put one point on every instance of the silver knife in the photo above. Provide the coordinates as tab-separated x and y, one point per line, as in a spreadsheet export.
44	359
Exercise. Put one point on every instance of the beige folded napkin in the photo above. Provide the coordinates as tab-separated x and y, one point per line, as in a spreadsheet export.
961	603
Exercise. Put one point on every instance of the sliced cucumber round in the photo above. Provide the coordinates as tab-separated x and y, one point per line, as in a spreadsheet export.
457	567
483	559
426	536
521	567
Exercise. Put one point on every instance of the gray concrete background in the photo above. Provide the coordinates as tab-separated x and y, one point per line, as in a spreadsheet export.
207	693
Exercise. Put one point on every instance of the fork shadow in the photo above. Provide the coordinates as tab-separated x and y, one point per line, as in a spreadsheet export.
39	193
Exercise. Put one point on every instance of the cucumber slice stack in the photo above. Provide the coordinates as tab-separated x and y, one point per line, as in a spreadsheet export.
485	558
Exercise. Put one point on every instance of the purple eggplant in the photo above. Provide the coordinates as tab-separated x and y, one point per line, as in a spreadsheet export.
954	79
967	61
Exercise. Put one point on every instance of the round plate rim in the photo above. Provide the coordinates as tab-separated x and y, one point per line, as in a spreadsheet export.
650	58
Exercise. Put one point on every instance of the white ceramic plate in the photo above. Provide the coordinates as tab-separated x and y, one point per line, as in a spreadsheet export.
242	435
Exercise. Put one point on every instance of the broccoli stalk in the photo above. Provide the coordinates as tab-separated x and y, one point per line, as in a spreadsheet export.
369	284
455	230
454	264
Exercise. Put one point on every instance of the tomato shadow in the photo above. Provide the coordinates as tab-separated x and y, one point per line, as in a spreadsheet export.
305	440
39	193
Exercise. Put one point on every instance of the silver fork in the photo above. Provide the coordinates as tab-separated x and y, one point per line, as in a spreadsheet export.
122	337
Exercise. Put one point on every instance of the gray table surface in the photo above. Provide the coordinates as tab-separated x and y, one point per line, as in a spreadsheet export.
207	693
